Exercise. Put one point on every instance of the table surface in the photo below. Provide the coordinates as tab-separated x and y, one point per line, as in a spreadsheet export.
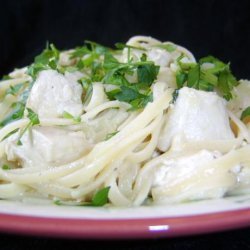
234	239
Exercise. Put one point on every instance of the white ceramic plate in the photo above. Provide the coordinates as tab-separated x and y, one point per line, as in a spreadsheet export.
140	222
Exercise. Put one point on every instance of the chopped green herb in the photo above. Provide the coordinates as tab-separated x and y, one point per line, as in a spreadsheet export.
226	82
245	114
13	90
127	94
10	133
97	72
33	117
34	120
80	52
6	167
141	102
216	64
19	110
25	94
5	77
91	50
208	74
147	73
98	200
101	197
175	95
110	135
181	78
110	62
133	93
89	57
58	202
194	77
116	77
130	95
49	54
16	113
144	57
67	115
88	93
48	59
103	67
96	47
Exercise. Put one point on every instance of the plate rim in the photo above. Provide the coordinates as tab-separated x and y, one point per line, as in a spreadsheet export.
141	228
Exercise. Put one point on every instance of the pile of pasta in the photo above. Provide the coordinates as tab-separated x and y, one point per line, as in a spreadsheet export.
147	141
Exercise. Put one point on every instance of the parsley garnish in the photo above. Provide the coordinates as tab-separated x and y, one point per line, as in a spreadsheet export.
147	73
80	52
16	114
87	88
110	135
125	94
137	94
245	114
67	115
91	50
5	77
208	74
99	199
34	120
58	202
6	167
48	59
102	66
22	91
13	90
175	95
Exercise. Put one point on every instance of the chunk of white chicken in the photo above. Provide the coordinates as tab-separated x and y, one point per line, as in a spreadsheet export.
47	147
196	116
53	93
191	177
241	98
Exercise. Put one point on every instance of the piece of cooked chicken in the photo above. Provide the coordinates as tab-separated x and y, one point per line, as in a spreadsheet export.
47	147
53	93
196	115
193	177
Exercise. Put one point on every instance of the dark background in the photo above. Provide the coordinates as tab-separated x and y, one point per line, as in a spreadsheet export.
235	240
220	28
